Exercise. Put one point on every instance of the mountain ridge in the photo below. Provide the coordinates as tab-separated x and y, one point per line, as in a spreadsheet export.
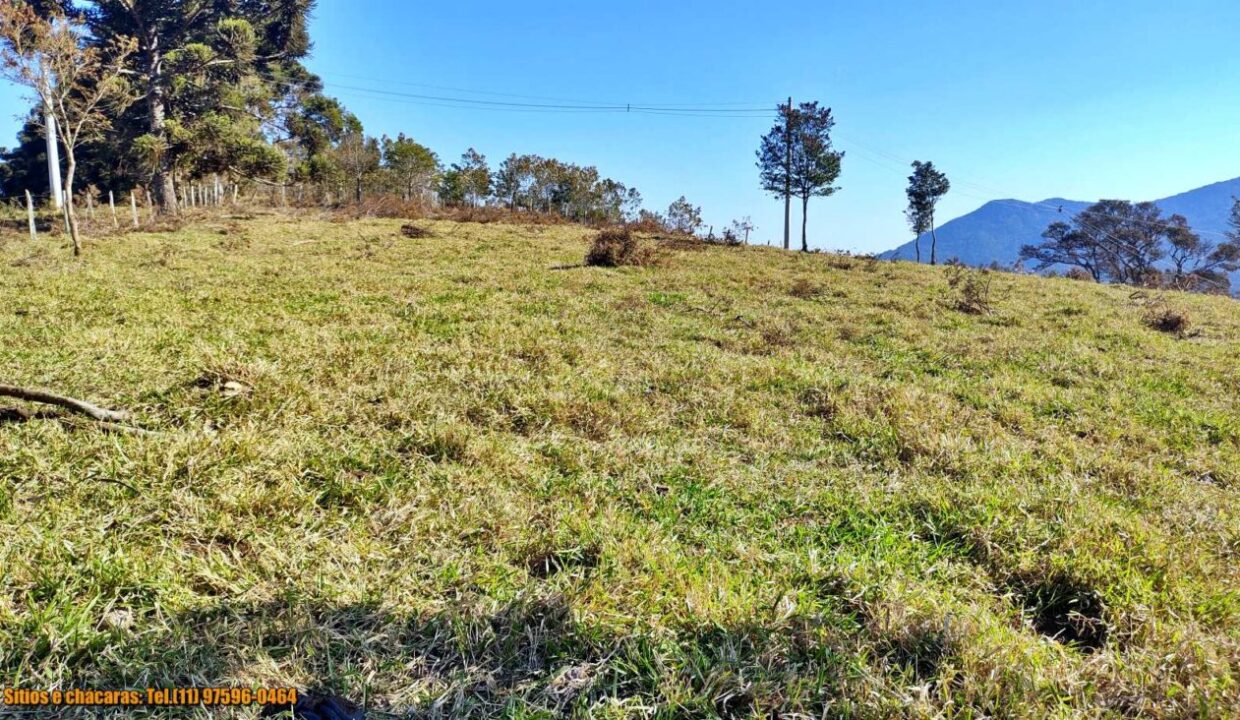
996	231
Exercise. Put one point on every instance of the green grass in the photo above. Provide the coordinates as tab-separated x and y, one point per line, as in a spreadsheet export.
466	482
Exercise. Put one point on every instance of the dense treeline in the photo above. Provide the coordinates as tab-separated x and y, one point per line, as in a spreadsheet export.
220	95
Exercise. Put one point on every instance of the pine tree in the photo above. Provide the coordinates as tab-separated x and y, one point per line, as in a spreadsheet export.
926	186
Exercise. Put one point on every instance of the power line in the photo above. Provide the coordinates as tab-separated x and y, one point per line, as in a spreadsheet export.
733	109
756	104
615	108
366	94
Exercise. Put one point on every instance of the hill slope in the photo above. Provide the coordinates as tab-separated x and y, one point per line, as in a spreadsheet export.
997	231
994	232
461	477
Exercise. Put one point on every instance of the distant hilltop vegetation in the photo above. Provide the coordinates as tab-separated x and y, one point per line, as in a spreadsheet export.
995	232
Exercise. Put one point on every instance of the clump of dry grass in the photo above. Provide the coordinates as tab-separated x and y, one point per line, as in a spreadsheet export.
806	289
619	247
415	232
1163	317
973	289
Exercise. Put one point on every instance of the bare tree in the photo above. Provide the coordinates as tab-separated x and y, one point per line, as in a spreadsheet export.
81	84
742	228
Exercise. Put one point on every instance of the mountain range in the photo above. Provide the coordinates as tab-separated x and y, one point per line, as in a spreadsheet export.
995	232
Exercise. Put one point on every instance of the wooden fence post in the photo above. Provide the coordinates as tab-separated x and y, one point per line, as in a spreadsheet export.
116	223
133	206
34	233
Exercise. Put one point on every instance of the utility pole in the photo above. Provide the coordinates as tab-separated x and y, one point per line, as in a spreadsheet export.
53	156
788	176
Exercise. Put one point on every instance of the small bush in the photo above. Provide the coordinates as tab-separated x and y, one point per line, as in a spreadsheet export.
1078	274
973	289
619	247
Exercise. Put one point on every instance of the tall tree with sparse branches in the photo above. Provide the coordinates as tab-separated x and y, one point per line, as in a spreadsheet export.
775	161
926	186
816	164
81	84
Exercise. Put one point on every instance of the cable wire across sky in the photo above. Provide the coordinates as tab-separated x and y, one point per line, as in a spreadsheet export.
521	103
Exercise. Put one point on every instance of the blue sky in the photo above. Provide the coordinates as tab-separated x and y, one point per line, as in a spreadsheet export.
1012	99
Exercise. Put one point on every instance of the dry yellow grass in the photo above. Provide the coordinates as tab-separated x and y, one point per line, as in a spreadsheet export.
455	476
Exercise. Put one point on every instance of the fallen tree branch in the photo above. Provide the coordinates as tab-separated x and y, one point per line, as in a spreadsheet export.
80	407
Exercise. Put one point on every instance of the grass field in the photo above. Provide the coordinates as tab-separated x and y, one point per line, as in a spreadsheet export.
465	477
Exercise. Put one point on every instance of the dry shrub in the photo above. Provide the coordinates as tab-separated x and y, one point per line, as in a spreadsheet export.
618	247
491	214
839	261
973	289
647	224
687	243
806	290
1160	315
1078	274
1168	320
778	334
383	206
415	232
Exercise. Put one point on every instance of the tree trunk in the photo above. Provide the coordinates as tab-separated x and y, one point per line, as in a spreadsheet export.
73	223
157	112
805	224
917	246
934	245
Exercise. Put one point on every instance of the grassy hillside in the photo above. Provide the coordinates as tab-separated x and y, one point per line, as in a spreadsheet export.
462	476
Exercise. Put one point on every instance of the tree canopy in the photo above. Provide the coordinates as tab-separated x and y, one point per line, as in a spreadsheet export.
926	186
1132	243
221	85
797	158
